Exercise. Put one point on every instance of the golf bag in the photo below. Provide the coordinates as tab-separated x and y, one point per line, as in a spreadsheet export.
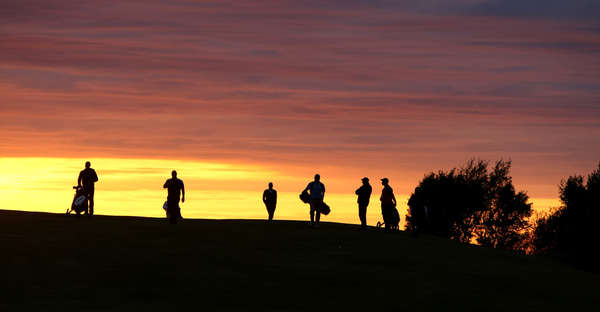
80	203
325	209
166	208
304	197
395	219
391	217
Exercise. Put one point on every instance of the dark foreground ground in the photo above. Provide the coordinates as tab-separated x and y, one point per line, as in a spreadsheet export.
57	263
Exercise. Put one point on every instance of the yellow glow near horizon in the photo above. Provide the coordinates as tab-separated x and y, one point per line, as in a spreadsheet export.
133	187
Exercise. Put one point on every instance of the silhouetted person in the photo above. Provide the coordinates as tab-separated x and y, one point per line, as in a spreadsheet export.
364	195
316	189
388	204
270	200
175	188
87	178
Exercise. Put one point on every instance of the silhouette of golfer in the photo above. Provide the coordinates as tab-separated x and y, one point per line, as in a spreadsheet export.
364	195
87	178
316	189
174	187
388	203
270	199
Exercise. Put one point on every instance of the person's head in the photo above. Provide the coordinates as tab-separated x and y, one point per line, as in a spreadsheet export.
385	181
317	177
365	180
87	164
270	185
174	174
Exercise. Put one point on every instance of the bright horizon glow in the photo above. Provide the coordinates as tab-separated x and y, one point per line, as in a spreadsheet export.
133	187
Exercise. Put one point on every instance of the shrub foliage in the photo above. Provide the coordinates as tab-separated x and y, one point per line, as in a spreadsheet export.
474	202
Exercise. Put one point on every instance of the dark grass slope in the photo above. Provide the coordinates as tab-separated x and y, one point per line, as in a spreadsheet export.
53	262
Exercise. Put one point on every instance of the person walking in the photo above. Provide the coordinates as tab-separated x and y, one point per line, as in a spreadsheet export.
270	200
316	190
87	178
175	188
388	204
364	195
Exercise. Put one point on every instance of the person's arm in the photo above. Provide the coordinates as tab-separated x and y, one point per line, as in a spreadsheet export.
94	176
275	197
166	184
307	187
393	198
323	190
182	192
265	197
79	179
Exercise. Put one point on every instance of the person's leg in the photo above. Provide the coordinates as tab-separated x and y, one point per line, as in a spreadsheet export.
362	215
87	203
312	211
179	216
386	218
318	211
91	203
173	216
271	212
172	208
268	212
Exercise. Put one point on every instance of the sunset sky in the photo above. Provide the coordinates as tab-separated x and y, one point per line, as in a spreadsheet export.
234	94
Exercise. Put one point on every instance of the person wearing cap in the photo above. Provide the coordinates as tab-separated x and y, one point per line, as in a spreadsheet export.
364	195
87	178
388	203
270	200
316	189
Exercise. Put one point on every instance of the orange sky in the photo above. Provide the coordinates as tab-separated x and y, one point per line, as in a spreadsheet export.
289	88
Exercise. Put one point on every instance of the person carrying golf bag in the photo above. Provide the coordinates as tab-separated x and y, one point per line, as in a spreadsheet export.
316	191
175	188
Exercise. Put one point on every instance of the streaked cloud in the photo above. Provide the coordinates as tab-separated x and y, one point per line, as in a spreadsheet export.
376	86
546	9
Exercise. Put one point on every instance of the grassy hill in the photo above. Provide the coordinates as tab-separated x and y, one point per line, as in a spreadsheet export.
52	262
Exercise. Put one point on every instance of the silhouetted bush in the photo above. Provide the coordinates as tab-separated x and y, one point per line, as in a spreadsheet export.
504	222
471	203
572	230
